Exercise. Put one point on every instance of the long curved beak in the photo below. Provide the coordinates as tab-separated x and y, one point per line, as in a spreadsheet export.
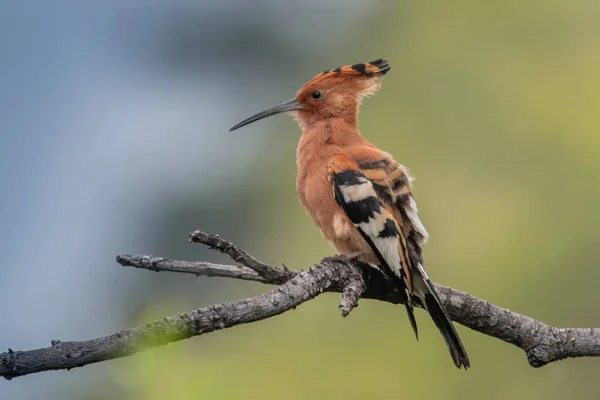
290	105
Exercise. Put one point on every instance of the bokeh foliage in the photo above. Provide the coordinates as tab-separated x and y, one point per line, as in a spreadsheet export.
494	107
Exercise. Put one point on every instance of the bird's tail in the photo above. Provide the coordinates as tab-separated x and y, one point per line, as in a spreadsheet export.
428	296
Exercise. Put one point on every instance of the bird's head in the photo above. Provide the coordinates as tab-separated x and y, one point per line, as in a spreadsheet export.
335	93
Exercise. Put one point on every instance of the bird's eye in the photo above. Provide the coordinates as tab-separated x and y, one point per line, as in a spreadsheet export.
316	94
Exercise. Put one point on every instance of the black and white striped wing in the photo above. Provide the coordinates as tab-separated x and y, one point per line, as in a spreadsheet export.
357	196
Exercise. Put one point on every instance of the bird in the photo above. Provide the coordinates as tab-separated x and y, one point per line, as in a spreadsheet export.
359	197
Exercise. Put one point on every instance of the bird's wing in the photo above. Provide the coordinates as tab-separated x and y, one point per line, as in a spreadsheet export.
374	192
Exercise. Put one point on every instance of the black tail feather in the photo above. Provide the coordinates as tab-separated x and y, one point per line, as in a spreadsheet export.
411	316
398	283
406	299
444	325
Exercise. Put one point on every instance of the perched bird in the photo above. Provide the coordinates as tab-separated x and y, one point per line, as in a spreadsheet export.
358	195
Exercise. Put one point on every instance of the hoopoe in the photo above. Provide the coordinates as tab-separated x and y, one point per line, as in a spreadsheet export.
358	195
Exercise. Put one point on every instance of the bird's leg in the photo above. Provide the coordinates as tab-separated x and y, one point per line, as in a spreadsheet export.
344	258
368	270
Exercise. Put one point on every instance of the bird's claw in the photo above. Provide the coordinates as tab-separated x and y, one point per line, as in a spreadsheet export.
345	258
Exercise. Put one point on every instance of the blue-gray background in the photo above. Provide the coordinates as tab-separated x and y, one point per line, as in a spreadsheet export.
113	139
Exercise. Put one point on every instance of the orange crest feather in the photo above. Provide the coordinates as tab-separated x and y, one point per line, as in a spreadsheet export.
362	79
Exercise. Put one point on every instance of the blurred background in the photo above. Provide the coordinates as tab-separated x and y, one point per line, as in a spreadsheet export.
114	119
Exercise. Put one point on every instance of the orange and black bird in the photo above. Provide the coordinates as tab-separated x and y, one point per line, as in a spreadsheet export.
358	195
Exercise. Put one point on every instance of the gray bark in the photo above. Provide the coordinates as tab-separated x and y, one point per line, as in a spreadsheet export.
542	343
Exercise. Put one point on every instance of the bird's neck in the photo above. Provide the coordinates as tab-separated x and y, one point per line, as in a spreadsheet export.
322	139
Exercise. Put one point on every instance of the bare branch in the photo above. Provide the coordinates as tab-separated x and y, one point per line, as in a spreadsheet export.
66	355
352	292
542	343
215	242
198	268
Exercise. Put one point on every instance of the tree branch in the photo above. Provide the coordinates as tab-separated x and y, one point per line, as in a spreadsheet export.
198	268
542	343
214	242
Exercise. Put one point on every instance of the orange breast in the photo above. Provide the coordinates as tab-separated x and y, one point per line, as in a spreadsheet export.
315	148
316	196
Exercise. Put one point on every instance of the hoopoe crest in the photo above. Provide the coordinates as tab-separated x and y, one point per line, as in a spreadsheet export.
358	195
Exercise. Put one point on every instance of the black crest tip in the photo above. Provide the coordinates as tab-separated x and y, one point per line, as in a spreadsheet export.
377	62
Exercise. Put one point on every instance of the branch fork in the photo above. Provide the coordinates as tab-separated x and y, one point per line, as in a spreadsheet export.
541	343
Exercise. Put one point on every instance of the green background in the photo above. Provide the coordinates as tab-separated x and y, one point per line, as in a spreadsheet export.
493	106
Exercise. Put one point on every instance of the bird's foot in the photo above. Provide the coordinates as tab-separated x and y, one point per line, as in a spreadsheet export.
344	258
